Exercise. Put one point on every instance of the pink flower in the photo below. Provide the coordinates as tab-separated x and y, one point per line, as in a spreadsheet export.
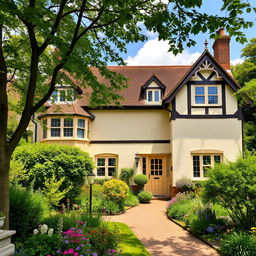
70	250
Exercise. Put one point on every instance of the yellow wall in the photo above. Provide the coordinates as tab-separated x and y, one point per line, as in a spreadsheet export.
130	125
194	134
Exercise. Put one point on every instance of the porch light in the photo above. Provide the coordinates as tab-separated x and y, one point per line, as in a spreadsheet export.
137	159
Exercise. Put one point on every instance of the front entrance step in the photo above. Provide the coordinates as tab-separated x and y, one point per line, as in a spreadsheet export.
6	247
161	197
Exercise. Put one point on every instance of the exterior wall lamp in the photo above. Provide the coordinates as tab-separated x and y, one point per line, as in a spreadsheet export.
137	159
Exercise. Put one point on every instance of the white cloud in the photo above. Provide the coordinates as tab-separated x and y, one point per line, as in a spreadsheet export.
155	52
236	61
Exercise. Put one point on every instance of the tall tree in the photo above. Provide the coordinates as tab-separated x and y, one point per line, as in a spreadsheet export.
245	74
41	38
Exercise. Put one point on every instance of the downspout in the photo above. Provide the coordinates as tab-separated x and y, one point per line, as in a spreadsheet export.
35	128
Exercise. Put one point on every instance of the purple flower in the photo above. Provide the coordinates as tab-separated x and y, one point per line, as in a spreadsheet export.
78	248
210	229
66	241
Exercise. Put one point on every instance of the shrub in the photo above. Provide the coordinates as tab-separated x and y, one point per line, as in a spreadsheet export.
115	190
232	185
101	181
71	219
126	174
141	180
27	209
43	161
144	197
131	200
102	240
111	207
238	244
185	184
40	245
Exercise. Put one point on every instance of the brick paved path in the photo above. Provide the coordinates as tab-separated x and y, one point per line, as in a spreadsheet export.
160	235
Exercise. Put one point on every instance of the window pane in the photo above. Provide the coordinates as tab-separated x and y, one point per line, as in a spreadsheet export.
206	160
101	171
196	166
199	99
199	90
101	162
55	122
80	133
62	95
44	129
217	159
68	122
212	99
111	162
212	90
81	123
144	165
55	132
157	98
149	95
68	132
111	171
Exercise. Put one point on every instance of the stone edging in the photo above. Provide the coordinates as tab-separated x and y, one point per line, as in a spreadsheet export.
199	237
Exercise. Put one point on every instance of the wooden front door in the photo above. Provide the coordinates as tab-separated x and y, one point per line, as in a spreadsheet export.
156	173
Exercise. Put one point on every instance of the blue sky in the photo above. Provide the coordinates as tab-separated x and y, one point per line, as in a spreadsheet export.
141	53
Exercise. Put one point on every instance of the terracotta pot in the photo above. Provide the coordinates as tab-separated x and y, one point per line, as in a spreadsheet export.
135	189
174	191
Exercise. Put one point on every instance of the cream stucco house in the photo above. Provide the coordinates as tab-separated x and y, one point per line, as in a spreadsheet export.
175	121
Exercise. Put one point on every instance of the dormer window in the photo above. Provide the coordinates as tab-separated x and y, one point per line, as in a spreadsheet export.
62	96
153	95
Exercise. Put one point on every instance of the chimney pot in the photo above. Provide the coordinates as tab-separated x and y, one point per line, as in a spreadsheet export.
221	49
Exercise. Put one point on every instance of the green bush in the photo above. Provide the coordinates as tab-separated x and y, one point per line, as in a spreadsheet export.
131	200
27	209
141	180
144	197
43	161
101	181
185	184
40	245
126	174
71	219
238	244
102	239
232	185
111	207
115	190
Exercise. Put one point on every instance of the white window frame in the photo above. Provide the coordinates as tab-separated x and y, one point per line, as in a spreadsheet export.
202	165
153	96
106	165
206	95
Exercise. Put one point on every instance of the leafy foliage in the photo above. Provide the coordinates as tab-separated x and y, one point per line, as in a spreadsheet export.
52	190
45	161
111	207
238	244
144	197
126	174
185	184
131	200
232	185
27	209
141	179
115	190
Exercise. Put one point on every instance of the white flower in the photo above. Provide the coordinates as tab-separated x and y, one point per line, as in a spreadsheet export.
35	231
43	229
50	232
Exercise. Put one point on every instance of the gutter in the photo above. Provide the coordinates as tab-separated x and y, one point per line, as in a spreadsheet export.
35	128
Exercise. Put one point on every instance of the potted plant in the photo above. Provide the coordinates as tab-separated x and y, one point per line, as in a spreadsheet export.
2	217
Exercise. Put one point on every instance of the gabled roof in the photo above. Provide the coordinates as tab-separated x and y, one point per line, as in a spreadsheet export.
186	77
155	79
66	109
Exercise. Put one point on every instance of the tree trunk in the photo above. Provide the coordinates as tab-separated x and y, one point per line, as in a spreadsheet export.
4	188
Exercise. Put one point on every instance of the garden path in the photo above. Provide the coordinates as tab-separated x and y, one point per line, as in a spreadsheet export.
161	236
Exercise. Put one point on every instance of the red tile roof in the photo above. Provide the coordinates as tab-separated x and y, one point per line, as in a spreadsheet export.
137	76
67	109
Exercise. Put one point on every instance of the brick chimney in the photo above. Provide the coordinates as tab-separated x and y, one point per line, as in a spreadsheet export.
221	49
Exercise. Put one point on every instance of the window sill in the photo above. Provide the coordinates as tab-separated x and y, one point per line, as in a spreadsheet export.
65	139
199	178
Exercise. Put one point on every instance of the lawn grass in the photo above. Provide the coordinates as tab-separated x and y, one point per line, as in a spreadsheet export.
130	244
